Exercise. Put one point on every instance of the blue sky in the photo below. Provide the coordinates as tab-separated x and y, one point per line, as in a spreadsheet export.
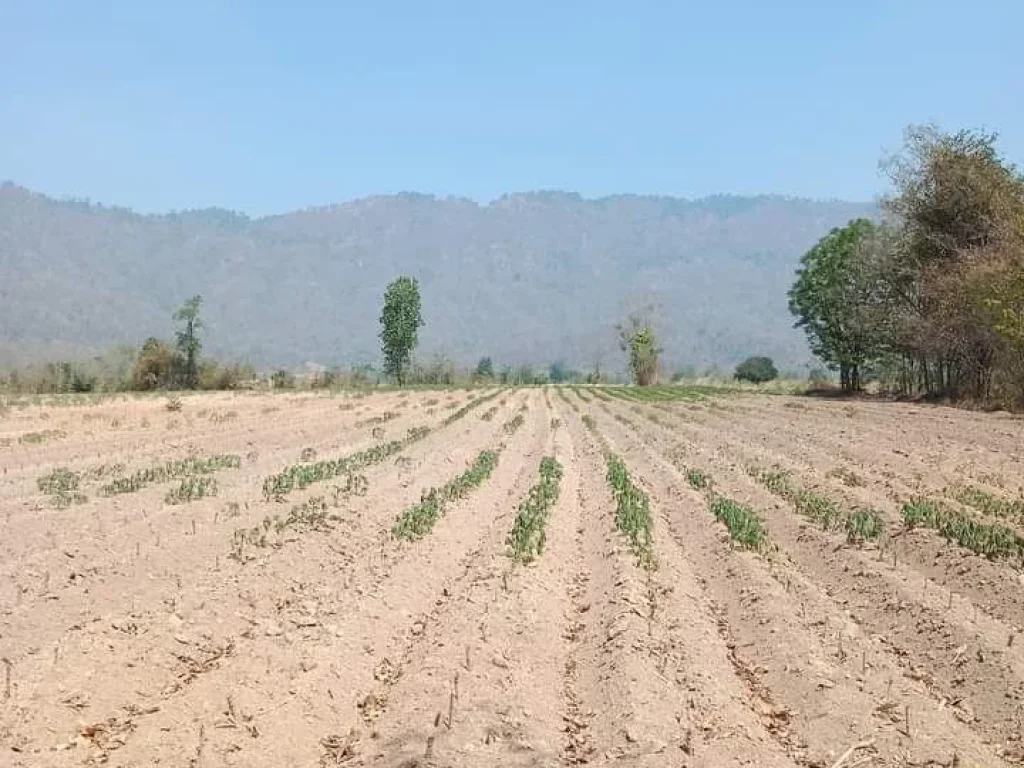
268	107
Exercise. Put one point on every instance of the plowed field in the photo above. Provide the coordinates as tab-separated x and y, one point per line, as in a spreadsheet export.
401	579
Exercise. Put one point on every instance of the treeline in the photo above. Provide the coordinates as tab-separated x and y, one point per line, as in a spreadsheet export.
930	300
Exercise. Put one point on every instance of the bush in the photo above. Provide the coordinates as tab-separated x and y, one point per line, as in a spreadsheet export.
756	370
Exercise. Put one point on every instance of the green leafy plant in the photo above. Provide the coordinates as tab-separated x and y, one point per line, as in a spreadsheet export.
191	489
863	525
512	425
991	540
698	479
528	535
744	525
419	519
171	470
61	486
632	511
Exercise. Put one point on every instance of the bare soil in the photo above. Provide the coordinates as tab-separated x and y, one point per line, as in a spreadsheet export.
136	632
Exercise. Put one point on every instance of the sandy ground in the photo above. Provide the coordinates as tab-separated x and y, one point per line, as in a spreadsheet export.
134	632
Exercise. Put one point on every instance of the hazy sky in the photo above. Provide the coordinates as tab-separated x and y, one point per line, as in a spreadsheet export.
266	107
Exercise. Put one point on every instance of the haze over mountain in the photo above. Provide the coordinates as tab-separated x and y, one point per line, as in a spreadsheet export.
532	277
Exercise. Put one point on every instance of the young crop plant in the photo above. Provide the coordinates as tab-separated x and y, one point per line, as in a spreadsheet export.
456	415
171	470
311	515
985	502
589	422
418	520
528	535
302	475
744	525
61	486
863	525
698	479
43	436
991	540
191	489
512	425
632	511
489	414
860	525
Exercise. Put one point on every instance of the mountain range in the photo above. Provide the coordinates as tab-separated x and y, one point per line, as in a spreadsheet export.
528	278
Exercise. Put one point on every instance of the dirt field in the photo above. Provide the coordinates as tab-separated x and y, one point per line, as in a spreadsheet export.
172	594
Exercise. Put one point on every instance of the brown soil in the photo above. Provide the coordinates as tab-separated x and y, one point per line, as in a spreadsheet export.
133	633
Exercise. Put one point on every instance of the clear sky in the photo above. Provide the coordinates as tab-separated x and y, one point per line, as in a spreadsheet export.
267	107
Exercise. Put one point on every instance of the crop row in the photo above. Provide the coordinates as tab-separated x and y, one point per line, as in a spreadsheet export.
419	519
861	524
991	540
528	535
985	502
632	511
171	470
303	475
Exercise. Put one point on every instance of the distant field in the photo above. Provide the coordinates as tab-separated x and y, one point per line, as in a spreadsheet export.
676	576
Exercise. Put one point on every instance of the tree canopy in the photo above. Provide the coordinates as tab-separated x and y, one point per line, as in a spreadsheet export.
400	321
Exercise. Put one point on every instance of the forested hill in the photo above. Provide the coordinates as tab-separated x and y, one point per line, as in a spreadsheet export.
531	277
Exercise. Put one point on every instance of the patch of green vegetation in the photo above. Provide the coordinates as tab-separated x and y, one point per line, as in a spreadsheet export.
589	422
489	413
303	475
744	524
43	436
860	524
311	515
863	525
985	502
991	540
456	415
698	479
632	511
191	489
171	470
512	425
528	534
61	486
417	521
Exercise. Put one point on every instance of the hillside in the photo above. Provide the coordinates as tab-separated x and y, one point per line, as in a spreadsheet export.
529	277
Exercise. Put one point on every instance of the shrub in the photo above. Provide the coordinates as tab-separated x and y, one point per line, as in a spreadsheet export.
756	370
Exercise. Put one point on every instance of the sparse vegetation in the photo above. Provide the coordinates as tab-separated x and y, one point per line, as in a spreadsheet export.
632	511
61	486
191	489
991	540
744	525
860	524
528	535
171	470
419	520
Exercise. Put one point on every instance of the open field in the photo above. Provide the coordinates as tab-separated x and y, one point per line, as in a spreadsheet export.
533	577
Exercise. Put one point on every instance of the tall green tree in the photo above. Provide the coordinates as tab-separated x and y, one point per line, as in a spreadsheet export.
485	368
188	339
400	321
835	296
638	341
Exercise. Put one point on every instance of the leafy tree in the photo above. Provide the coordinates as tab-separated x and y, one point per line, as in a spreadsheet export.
400	322
960	213
756	370
188	339
557	373
485	368
637	339
835	297
156	366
